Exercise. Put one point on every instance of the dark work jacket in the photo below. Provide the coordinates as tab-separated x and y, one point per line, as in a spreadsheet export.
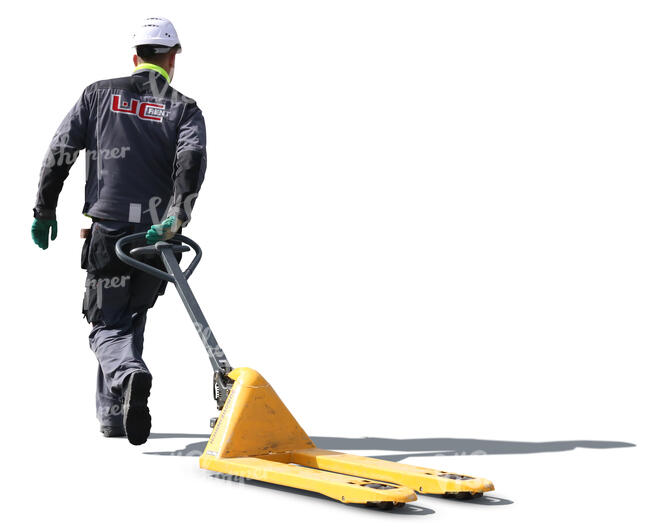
145	151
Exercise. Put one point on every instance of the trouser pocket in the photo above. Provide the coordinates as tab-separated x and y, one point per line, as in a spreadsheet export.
100	257
107	287
107	298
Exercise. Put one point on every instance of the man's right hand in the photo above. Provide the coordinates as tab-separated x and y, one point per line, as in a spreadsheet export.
41	232
163	231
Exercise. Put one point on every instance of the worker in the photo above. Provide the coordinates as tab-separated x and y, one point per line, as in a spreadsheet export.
145	162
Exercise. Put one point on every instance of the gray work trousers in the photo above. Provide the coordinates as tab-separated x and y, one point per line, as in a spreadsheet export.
116	301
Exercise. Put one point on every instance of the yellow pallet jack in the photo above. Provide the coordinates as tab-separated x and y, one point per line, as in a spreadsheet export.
256	437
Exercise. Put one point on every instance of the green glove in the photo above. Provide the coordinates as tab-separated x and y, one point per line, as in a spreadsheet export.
41	232
163	231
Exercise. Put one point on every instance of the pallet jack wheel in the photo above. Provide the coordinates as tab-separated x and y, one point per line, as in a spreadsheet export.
464	495
385	505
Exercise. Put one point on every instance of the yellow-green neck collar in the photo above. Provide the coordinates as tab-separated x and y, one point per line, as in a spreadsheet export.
154	67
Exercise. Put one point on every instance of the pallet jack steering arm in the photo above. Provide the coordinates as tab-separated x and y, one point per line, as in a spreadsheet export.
167	252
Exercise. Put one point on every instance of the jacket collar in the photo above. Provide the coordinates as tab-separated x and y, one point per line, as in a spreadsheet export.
153	67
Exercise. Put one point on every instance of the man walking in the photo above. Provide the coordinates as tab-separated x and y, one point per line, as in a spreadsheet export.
145	162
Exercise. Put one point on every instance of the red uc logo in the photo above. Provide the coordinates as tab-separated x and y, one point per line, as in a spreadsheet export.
147	111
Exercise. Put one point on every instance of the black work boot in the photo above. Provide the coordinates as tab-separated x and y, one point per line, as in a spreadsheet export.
137	420
112	430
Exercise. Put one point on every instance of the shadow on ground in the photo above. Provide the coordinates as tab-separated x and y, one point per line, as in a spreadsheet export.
422	447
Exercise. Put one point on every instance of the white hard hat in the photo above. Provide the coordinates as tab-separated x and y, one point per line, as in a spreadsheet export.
156	31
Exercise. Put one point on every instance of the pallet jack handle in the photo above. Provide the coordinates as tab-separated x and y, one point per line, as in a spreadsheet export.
167	252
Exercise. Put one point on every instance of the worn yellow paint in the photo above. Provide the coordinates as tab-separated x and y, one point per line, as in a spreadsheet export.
256	437
421	479
348	489
254	421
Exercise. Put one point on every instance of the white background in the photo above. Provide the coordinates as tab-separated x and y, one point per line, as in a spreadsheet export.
420	220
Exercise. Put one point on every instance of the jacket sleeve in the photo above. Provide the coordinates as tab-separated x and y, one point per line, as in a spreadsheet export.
68	140
190	163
